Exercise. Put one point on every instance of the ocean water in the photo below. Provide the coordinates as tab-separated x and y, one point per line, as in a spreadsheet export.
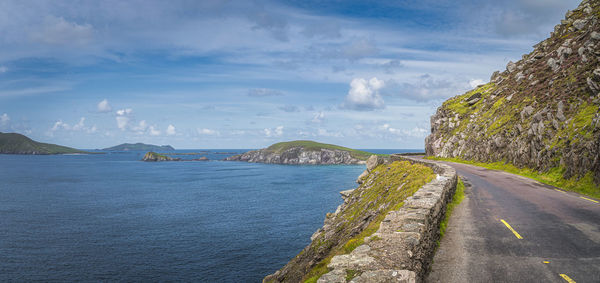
111	217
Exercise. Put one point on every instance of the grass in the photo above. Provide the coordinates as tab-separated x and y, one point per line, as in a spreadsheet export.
20	144
457	198
584	185
384	190
316	146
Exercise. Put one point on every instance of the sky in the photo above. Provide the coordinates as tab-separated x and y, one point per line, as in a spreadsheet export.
246	74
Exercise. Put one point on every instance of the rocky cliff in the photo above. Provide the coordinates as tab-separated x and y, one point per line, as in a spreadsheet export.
303	152
154	157
380	232
540	113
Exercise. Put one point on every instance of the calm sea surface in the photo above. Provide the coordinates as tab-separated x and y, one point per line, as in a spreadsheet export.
111	217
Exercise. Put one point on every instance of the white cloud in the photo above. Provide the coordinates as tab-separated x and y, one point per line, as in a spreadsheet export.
318	118
4	119
262	92
205	131
58	31
278	131
3	69
416	132
104	106
123	118
364	95
325	133
475	82
79	127
140	128
171	130
126	111
153	131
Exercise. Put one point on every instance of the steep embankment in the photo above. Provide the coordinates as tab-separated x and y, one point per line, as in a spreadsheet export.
381	231
303	152
13	143
540	113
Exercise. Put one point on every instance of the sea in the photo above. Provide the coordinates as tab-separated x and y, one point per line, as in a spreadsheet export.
111	217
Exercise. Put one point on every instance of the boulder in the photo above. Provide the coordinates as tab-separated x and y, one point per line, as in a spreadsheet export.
579	24
374	161
511	66
553	64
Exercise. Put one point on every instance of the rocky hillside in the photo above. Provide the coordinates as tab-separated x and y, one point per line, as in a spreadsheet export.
384	188
303	152
13	143
540	113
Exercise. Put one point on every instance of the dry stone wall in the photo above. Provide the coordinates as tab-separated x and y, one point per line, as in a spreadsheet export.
403	247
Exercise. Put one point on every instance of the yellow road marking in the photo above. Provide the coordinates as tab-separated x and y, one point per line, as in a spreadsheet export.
589	199
567	278
560	191
545	261
511	229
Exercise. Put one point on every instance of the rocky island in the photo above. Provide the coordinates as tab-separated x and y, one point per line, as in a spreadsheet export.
155	157
303	153
13	143
140	147
540	114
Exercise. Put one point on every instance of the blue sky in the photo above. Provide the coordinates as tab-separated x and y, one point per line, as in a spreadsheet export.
246	74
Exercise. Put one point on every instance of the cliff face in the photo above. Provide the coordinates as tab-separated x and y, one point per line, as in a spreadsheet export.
384	189
540	113
298	155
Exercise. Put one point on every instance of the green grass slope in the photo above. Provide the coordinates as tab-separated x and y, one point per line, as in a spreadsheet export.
316	146
13	143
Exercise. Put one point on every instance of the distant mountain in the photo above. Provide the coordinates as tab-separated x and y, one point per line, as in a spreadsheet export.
303	152
139	146
13	143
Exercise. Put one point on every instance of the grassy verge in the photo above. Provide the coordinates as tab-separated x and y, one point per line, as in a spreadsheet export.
584	185
384	190
457	198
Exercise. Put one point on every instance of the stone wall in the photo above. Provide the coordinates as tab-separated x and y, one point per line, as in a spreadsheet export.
403	247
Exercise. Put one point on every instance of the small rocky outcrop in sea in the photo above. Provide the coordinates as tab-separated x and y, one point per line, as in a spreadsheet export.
153	157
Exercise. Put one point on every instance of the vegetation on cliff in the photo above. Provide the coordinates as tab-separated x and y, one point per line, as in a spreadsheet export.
316	146
139	146
384	189
153	156
303	152
540	117
13	143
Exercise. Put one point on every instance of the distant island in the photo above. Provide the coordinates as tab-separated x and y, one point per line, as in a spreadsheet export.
139	146
155	157
303	152
13	143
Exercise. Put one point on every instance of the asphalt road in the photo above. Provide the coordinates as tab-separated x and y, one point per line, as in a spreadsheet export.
555	235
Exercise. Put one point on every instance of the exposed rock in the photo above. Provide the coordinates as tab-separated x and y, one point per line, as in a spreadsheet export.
154	157
579	24
547	117
510	67
553	64
374	161
298	155
495	77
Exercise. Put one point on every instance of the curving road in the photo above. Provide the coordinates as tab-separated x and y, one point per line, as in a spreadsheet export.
514	229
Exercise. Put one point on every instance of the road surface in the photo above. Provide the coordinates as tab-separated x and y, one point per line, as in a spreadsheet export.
513	229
